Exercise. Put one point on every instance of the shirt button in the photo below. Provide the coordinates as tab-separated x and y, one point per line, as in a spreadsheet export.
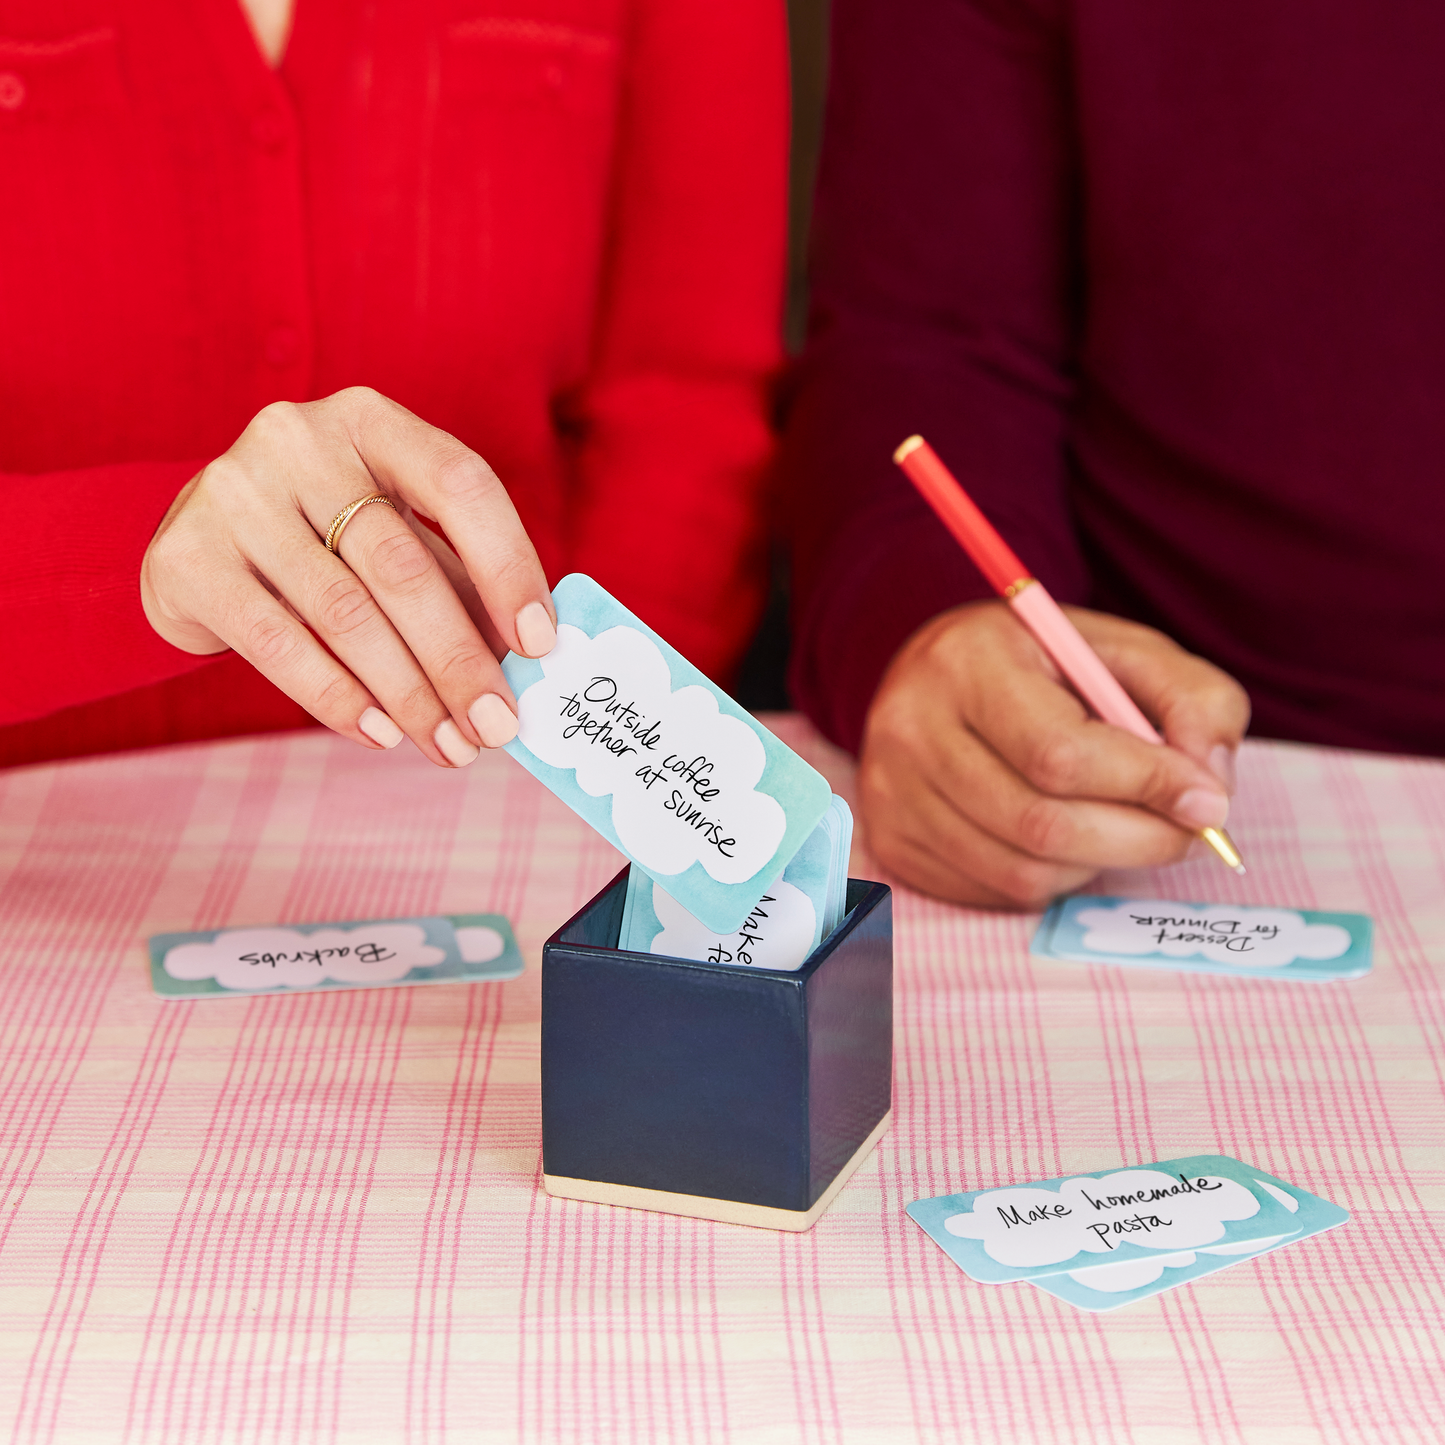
12	90
268	130
281	344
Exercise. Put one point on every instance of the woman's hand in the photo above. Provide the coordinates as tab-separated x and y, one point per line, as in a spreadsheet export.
412	632
985	780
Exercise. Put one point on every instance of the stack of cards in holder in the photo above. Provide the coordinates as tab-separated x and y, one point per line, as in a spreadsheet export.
1104	1240
792	918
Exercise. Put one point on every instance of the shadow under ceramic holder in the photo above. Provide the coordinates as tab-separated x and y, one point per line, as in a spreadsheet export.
712	1091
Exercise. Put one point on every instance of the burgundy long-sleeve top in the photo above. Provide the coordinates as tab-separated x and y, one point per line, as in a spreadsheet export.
1164	284
554	228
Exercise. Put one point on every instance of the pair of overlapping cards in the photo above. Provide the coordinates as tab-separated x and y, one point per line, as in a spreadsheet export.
1100	1241
738	848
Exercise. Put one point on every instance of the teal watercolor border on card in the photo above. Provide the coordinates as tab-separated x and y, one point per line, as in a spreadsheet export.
439	932
810	871
801	790
1314	1216
1060	937
970	1256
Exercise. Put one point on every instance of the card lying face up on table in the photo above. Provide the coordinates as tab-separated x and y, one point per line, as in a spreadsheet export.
317	957
1227	938
1103	1240
702	798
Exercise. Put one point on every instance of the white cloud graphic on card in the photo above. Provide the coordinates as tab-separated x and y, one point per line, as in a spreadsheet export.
778	934
258	958
1135	1273
480	944
682	775
1032	1226
1222	933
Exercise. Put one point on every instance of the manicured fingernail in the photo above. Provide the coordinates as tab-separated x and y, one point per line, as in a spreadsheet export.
1221	764
535	630
495	722
379	728
453	746
1201	808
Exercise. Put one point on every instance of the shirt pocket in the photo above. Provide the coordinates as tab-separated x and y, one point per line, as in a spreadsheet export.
71	76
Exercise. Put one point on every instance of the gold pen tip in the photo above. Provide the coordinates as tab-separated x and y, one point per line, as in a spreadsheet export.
1223	844
907	448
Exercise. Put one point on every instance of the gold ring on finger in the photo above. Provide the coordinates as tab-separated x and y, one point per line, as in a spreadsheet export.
339	521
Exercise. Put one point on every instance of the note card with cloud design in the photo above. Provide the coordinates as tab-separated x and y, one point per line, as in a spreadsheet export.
1106	1239
311	957
1116	1216
660	761
1290	943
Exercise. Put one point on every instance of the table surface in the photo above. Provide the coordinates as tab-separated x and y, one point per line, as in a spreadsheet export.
319	1218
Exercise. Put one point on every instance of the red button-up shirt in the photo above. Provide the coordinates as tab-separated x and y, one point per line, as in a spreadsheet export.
554	228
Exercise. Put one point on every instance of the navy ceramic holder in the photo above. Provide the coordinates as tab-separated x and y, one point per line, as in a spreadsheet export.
716	1092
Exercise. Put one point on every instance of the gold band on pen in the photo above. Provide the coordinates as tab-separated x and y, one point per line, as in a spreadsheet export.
339	521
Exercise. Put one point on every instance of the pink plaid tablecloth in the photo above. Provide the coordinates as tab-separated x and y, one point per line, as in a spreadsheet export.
315	1219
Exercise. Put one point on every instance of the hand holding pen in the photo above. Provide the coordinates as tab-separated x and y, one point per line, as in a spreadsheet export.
986	779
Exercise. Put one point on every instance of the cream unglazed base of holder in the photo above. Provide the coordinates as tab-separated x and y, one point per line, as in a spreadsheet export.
723	1211
713	1092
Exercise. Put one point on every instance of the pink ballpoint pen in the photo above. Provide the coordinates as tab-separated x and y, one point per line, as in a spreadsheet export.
1034	607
